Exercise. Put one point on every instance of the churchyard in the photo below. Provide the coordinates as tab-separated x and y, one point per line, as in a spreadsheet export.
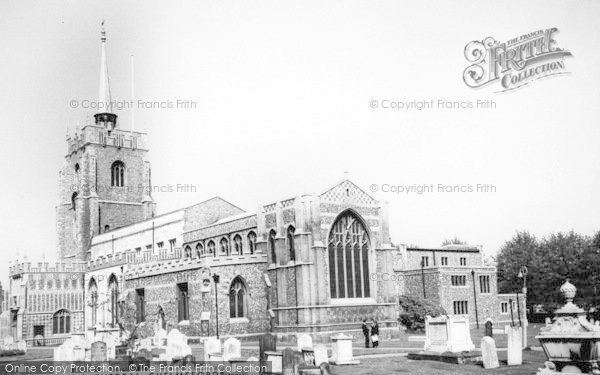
389	357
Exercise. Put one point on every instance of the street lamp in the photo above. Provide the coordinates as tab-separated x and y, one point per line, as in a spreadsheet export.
523	274
475	298
216	280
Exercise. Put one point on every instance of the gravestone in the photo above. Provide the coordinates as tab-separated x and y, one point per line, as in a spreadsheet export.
515	346
489	328
304	342
99	351
548	322
448	334
342	350
276	361
291	360
308	357
177	346
266	343
321	355
211	345
63	352
232	349
160	338
489	353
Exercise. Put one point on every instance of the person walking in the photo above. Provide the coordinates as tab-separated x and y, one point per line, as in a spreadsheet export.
375	334
365	329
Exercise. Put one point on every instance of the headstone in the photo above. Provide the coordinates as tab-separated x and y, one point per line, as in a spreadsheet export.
488	353
321	355
448	334
211	345
308	356
515	346
276	361
232	349
548	321
177	346
63	352
489	328
304	342
160	338
266	343
342	350
291	360
98	351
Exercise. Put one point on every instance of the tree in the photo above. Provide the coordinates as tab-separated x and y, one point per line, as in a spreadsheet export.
519	251
550	261
413	311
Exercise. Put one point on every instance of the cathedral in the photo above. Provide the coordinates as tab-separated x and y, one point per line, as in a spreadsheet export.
315	263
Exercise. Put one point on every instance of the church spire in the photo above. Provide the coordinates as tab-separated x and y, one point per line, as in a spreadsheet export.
105	118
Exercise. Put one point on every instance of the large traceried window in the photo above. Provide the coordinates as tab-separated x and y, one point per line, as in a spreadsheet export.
237	298
349	258
117	174
113	290
61	322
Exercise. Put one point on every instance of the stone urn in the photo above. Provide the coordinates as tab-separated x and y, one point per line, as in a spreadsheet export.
571	343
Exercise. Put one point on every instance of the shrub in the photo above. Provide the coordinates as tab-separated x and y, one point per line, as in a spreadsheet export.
413	311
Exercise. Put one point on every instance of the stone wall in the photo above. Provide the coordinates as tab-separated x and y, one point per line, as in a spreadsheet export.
161	293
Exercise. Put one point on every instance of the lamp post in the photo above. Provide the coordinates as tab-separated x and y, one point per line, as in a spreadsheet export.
523	275
216	280
475	298
423	277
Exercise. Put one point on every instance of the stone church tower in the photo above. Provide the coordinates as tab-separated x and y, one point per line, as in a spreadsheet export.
105	182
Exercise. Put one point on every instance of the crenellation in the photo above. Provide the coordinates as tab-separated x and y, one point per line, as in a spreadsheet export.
94	134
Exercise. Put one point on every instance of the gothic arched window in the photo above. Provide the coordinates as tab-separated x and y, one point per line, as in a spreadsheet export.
237	244
211	247
290	243
348	258
93	289
61	322
117	174
252	242
113	292
272	249
188	252
199	250
237	298
224	246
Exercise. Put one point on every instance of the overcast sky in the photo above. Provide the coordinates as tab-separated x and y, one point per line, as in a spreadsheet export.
283	95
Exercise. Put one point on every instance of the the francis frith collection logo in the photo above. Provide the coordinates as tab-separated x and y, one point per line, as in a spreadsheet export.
515	63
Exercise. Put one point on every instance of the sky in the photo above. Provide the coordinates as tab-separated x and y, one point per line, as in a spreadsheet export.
283	97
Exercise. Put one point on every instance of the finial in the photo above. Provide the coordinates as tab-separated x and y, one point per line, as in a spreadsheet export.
568	291
346	175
